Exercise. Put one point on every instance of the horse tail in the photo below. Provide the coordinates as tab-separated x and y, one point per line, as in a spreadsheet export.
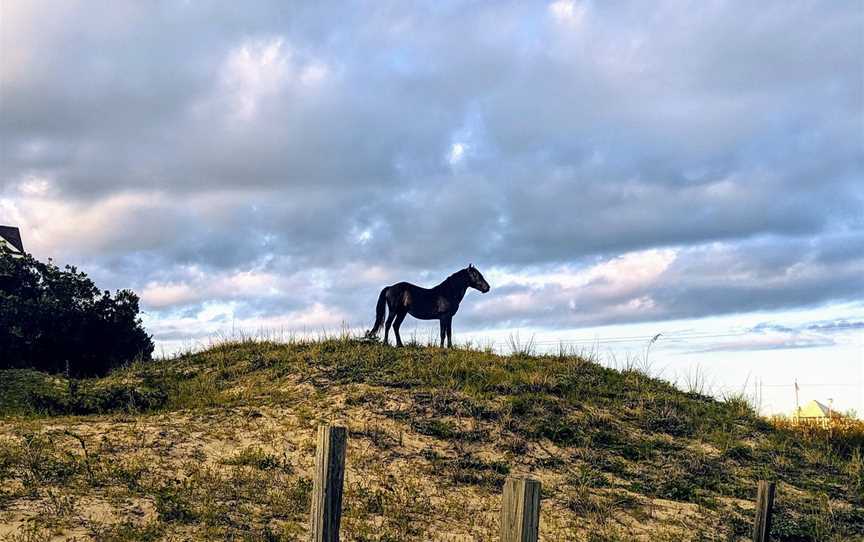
379	313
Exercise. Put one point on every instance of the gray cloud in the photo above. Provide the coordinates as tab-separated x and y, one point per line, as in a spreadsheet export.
794	343
827	326
773	336
174	147
753	275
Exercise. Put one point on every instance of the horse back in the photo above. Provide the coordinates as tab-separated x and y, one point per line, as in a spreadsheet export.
418	301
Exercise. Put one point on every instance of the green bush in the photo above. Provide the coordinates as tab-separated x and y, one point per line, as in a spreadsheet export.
52	319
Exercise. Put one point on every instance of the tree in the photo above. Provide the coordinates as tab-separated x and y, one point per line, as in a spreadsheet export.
50	317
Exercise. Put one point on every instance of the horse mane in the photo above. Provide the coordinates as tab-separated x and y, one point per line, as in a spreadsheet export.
460	272
454	277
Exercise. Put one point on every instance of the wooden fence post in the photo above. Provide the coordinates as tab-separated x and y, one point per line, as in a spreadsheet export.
327	485
520	510
764	504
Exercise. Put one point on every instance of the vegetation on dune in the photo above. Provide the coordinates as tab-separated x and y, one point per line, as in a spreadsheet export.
219	444
57	320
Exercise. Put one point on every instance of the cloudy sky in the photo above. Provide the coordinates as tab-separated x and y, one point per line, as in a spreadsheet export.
615	169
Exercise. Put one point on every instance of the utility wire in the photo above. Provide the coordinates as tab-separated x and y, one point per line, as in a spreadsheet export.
667	337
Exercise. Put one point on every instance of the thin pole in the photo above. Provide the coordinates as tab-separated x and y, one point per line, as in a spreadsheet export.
520	510
327	485
797	404
764	506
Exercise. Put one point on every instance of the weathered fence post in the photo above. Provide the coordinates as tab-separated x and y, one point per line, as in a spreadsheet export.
327	486
520	510
764	504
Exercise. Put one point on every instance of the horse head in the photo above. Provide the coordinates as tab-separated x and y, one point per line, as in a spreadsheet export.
476	280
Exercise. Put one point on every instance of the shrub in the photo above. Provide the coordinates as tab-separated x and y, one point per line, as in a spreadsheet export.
51	317
844	436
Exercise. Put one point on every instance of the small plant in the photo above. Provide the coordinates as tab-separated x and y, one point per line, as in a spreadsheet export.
696	382
127	531
58	505
255	457
518	348
173	503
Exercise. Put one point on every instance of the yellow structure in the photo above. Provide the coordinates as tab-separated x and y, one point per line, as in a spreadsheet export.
816	413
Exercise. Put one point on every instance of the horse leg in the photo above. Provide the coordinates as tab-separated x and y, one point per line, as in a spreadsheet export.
443	330
387	325
450	332
396	324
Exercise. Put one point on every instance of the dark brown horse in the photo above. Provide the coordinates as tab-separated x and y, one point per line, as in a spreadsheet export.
438	303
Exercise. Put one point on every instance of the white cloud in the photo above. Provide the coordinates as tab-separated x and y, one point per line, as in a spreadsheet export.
264	69
34	186
621	274
60	227
314	73
570	12
217	320
254	70
198	287
456	154
159	296
364	236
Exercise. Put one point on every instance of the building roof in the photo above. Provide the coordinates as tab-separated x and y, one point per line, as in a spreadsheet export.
815	409
12	236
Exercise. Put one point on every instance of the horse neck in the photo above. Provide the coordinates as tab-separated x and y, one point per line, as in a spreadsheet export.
455	286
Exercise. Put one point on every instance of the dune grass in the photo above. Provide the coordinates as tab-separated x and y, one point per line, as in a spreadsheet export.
219	443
